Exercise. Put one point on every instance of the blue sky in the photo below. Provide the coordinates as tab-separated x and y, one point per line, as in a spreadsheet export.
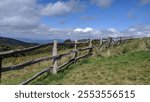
50	19
117	15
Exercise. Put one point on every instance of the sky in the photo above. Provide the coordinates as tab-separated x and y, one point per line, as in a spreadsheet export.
74	19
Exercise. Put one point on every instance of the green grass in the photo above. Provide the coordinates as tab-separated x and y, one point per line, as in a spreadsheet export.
128	63
127	47
131	68
18	76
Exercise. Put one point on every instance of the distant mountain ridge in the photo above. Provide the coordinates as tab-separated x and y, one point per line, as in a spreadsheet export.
14	42
40	41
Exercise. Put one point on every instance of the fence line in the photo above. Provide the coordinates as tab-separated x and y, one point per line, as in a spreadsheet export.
55	57
6	54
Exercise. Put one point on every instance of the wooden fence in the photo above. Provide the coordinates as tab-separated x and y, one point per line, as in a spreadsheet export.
55	57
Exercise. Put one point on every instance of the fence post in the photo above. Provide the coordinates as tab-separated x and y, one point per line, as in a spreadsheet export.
55	59
90	45
109	41
75	49
0	68
101	41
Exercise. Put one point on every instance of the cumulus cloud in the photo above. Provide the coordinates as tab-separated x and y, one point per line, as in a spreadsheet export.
83	30
19	13
102	3
138	31
22	18
94	33
62	8
133	31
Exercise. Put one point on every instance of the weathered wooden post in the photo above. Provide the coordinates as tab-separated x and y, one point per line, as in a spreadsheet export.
101	41
75	49
90	45
75	46
0	68
54	71
109	41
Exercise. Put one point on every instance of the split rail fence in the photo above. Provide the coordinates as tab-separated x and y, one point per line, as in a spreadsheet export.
54	58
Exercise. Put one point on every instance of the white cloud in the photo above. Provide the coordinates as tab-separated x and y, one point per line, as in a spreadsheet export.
62	8
22	18
19	13
112	30
102	3
138	31
87	29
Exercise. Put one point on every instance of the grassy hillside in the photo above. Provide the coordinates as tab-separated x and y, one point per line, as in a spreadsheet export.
128	63
132	68
10	44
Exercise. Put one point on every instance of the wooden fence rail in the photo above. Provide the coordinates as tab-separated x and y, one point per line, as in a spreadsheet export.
13	52
35	76
55	57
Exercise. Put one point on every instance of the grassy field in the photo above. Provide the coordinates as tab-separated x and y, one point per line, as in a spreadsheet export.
18	76
128	63
131	68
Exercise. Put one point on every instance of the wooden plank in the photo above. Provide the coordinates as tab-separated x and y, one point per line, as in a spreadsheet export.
6	54
65	54
62	67
65	64
0	68
35	76
86	48
83	56
28	63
